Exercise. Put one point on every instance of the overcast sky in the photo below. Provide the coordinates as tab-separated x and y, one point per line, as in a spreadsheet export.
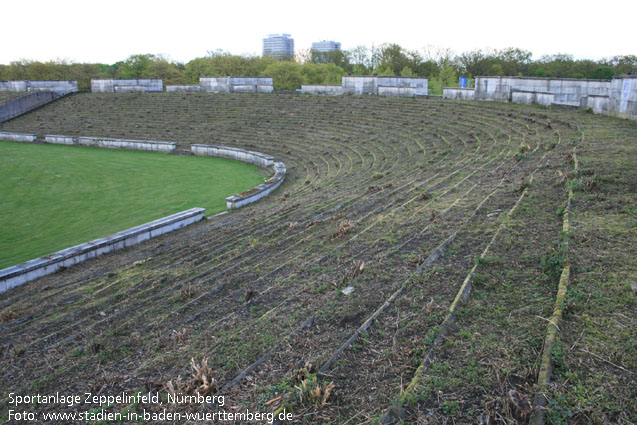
109	31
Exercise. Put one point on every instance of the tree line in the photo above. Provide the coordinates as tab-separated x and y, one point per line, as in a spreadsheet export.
441	66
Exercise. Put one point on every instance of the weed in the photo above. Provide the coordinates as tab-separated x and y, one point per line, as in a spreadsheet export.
553	261
450	407
344	227
312	394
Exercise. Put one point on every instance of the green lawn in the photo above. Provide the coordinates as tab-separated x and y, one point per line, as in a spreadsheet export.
53	196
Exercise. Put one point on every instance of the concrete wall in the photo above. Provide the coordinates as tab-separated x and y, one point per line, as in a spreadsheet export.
531	98
458	93
566	91
236	84
322	89
22	273
262	190
623	97
139	85
385	86
142	145
183	89
62	86
256	158
598	104
61	140
27	103
18	137
359	85
105	142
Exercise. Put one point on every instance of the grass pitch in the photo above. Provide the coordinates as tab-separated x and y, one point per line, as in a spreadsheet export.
53	197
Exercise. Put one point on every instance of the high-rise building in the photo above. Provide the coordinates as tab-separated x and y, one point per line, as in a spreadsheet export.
278	46
326	46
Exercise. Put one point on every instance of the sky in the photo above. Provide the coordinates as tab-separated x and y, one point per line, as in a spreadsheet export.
110	31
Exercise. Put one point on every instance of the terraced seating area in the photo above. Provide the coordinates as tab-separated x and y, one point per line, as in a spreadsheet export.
412	257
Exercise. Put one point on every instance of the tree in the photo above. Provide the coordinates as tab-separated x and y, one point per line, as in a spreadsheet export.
285	75
604	73
321	73
167	71
513	61
623	65
448	76
361	56
391	59
135	65
407	72
477	62
336	57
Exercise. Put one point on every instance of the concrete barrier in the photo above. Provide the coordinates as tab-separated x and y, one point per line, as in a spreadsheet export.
255	158
262	190
61	86
61	140
134	85
18	137
322	89
458	93
183	89
22	273
105	142
26	103
532	97
236	84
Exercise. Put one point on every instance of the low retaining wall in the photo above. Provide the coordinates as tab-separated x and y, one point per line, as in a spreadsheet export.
105	142
458	93
62	86
18	137
142	145
530	98
264	189
22	273
236	84
27	103
182	89
256	158
322	89
133	85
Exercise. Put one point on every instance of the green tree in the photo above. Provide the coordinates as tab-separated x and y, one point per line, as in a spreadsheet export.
604	73
407	72
448	76
167	71
327	73
337	57
392	59
134	66
285	75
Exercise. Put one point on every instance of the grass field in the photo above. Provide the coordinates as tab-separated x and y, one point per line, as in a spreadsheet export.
53	197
